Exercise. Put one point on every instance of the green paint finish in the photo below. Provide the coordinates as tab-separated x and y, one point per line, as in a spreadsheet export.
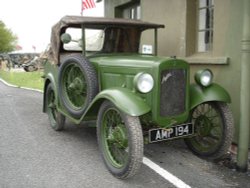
244	129
51	73
124	99
116	76
119	70
213	92
125	88
115	141
126	60
168	121
74	86
209	128
116	73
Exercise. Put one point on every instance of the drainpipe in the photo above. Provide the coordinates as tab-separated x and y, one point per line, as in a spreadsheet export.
243	144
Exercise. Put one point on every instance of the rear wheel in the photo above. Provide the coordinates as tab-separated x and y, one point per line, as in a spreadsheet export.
120	141
213	123
56	119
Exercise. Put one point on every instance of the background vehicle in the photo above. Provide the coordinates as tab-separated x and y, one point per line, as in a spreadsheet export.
35	64
31	65
18	60
96	70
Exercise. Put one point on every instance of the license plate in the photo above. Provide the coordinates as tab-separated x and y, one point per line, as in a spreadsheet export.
161	134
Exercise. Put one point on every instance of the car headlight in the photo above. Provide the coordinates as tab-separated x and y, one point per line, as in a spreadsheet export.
144	82
204	77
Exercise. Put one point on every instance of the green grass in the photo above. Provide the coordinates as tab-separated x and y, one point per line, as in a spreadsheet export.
23	79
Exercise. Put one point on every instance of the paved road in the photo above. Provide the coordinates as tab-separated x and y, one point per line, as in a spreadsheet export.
32	155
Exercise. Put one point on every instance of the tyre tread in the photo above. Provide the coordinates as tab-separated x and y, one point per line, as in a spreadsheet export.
136	147
223	148
90	76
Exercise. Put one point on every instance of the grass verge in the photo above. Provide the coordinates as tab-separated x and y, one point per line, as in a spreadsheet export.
23	79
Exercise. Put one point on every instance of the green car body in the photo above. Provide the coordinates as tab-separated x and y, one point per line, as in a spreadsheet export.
116	74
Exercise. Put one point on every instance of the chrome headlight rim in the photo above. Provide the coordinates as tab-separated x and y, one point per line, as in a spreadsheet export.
143	82
204	77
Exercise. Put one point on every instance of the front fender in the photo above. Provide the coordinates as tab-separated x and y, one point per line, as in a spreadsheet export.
49	79
213	92
124	99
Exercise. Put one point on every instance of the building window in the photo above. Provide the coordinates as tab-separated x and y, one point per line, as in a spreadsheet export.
205	25
131	10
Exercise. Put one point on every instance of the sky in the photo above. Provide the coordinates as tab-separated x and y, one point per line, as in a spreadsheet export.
31	20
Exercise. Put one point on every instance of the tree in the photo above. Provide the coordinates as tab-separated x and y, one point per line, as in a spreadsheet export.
8	40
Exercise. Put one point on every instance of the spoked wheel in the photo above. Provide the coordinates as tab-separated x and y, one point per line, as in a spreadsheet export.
74	86
120	141
56	119
213	123
77	84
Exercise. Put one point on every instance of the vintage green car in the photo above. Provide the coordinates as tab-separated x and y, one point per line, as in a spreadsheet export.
101	70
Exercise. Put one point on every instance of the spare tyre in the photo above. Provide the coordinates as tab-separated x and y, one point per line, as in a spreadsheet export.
77	84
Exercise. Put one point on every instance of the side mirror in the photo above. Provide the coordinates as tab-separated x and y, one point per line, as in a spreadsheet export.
66	38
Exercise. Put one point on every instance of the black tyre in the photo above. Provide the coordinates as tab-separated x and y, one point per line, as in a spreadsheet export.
77	84
120	141
26	69
56	119
213	124
31	68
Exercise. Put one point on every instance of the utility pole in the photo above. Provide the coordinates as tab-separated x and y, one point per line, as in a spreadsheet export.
244	129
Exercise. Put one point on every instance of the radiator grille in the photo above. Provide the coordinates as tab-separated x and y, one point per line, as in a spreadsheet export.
172	92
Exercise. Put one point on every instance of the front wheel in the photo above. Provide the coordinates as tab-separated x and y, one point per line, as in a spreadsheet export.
120	141
213	123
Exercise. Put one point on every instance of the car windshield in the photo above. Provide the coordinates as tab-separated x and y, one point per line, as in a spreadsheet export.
108	40
93	42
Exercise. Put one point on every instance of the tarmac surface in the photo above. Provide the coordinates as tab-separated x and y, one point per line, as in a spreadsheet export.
32	155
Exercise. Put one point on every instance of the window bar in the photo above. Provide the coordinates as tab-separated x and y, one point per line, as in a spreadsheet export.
156	42
83	41
211	27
